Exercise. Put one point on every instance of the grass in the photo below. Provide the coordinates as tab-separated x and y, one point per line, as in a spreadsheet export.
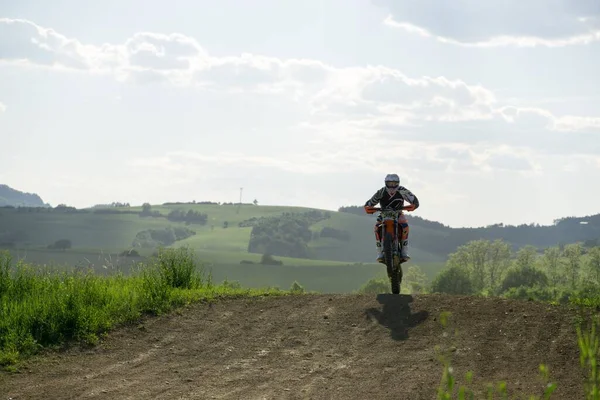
100	231
101	261
317	275
44	307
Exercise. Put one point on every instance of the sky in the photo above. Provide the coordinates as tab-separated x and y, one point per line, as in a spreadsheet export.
488	111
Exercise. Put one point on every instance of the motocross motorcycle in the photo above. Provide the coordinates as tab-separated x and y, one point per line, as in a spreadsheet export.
390	243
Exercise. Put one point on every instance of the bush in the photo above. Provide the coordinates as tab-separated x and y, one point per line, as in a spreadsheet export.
231	284
376	286
453	280
268	259
61	244
130	253
297	288
189	217
525	275
335	233
161	237
535	293
177	268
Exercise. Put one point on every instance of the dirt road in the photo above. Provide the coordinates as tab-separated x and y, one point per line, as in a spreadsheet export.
314	347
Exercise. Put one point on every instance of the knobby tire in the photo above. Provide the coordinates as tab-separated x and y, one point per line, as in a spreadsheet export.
389	262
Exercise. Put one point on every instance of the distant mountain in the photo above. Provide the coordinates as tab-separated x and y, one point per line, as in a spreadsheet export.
16	198
441	239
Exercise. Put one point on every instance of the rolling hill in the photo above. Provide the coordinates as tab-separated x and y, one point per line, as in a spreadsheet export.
13	197
115	229
91	229
98	235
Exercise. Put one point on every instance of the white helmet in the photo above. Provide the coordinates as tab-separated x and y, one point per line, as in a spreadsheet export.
392	181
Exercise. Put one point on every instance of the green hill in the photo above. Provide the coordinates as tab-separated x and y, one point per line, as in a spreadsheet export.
441	240
12	197
115	230
222	234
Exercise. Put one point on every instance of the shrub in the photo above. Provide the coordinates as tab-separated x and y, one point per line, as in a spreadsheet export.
525	275
453	280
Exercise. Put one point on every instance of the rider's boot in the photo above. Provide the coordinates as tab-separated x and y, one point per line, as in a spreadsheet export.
380	257
404	251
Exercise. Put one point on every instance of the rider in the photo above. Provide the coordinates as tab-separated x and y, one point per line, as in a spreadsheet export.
392	196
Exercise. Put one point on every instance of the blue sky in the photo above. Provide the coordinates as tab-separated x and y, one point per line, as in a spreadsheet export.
488	111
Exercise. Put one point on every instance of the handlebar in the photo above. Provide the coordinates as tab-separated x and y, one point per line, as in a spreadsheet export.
408	208
371	210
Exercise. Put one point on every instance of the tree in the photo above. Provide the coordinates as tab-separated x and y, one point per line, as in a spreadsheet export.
267	259
62	244
415	278
375	286
524	275
147	211
499	261
286	235
484	260
593	263
526	256
572	253
470	257
551	262
453	280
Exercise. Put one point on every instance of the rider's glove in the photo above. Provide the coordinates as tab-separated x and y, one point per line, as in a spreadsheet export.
369	210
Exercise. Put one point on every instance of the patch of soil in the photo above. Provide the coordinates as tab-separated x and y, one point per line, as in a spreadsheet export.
315	347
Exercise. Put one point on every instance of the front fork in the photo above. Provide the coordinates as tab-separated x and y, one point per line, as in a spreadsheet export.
381	231
400	229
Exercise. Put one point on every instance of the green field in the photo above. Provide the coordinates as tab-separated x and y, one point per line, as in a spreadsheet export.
314	275
115	232
97	240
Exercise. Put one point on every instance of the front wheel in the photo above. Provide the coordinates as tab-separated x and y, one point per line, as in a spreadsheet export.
393	266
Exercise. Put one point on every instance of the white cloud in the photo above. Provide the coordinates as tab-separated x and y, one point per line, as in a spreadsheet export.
307	163
344	104
576	163
2	107
545	119
498	41
500	23
353	157
509	162
181	60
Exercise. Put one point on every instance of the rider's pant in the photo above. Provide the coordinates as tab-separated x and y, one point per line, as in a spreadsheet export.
403	230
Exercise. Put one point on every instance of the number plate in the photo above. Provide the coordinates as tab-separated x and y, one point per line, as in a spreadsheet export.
390	214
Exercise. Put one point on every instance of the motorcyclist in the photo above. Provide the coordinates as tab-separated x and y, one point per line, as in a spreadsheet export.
392	197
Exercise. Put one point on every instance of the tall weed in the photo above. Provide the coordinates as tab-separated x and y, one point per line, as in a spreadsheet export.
589	355
44	307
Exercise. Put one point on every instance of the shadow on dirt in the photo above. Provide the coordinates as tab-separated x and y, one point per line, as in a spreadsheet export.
396	314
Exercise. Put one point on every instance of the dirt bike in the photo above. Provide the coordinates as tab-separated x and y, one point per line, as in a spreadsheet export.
391	245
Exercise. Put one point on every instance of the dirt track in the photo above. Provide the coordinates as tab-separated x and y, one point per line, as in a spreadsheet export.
313	347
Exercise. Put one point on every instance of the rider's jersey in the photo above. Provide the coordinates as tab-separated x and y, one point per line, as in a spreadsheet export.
394	202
